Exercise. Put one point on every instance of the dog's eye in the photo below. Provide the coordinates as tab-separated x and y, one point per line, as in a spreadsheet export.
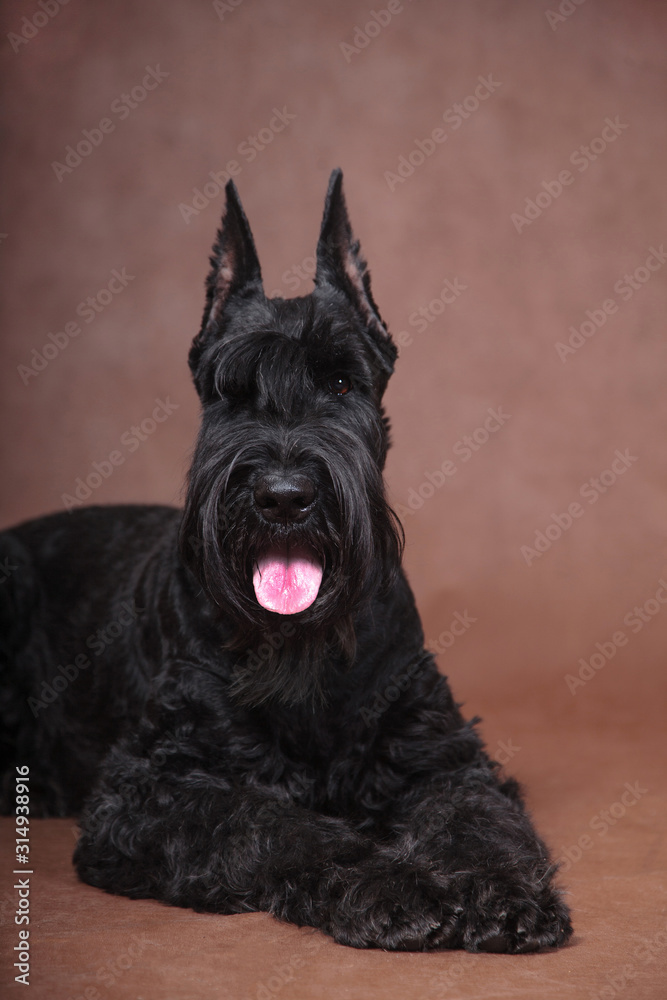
339	385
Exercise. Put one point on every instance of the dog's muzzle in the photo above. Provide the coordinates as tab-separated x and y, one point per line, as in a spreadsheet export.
286	577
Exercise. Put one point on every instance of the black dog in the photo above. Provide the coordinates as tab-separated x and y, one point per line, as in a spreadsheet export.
224	741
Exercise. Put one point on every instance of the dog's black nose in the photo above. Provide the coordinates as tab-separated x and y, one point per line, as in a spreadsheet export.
284	497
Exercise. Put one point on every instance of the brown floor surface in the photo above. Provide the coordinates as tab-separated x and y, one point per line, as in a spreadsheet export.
84	940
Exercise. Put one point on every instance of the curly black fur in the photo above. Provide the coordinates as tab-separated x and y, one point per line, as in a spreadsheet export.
228	758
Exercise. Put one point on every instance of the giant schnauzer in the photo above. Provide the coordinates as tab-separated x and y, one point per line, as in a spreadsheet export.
262	728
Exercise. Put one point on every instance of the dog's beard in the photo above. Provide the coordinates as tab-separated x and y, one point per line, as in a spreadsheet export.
351	536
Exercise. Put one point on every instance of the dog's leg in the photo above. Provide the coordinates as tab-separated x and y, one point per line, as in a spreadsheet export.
454	863
182	836
456	819
474	836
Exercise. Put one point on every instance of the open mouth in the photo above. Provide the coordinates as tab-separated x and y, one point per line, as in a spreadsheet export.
287	579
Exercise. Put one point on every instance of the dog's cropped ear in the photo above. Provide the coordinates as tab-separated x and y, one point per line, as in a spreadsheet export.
234	261
340	264
234	269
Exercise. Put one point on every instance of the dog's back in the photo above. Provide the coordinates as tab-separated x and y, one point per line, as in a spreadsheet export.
76	659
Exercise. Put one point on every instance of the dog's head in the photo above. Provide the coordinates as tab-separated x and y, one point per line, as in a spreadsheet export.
286	524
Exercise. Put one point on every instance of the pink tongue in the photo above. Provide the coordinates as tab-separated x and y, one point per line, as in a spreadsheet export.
287	582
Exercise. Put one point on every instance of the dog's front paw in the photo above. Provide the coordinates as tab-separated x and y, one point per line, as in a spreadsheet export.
409	909
512	913
399	909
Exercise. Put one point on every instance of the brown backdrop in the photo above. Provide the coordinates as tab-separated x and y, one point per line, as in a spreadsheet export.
505	170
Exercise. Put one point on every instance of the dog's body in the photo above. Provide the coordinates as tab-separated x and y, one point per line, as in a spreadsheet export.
237	697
